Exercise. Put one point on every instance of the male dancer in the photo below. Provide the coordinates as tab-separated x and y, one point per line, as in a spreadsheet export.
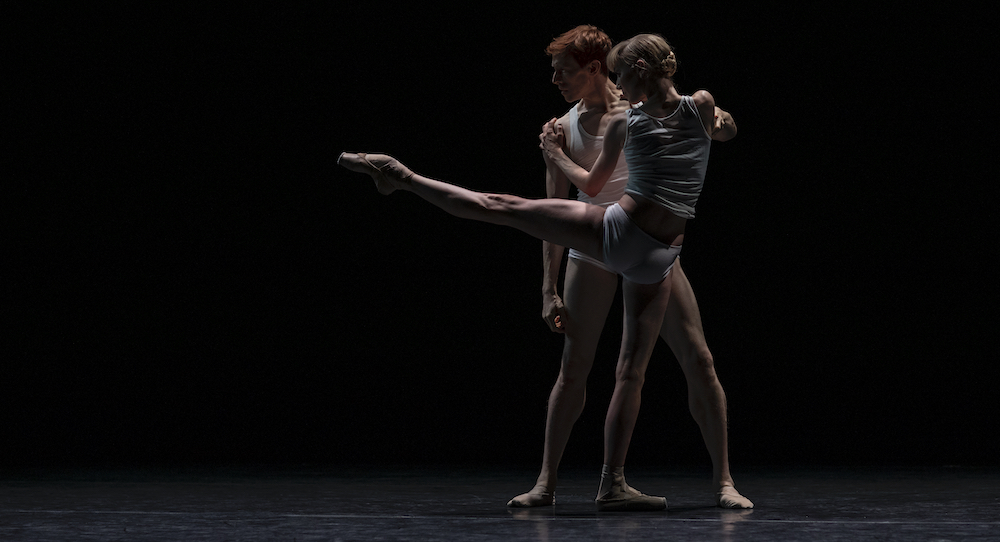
580	72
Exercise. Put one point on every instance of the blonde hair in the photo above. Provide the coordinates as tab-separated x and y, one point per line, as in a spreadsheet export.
652	49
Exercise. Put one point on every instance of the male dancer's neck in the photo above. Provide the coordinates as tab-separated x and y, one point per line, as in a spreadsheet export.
604	96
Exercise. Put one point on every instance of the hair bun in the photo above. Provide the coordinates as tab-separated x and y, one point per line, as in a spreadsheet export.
669	64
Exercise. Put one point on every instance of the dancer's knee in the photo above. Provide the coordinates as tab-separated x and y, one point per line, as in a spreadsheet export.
500	203
703	361
570	384
496	208
574	371
468	205
703	383
630	377
699	364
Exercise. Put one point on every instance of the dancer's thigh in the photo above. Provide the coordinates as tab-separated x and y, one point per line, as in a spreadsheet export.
561	221
588	295
682	328
644	308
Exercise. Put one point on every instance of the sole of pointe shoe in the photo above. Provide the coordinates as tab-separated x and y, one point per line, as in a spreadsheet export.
648	504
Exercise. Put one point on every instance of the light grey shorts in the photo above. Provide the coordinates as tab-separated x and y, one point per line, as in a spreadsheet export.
632	253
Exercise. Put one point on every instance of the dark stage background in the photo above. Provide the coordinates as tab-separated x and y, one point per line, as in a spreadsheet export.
188	278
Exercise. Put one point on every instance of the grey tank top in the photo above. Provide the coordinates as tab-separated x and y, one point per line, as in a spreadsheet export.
667	157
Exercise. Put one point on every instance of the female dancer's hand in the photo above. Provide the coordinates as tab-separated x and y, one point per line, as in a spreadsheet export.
554	313
552	137
724	128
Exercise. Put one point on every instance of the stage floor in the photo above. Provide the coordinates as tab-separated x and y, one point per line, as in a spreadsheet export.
469	504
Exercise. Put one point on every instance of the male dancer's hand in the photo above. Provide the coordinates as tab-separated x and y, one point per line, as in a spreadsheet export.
554	313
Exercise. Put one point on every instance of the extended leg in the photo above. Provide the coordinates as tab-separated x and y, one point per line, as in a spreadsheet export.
563	222
644	308
682	330
588	295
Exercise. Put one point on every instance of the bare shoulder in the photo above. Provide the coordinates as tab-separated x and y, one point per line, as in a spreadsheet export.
703	98
705	103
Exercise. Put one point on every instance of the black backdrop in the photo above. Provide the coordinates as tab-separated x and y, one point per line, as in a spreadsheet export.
188	277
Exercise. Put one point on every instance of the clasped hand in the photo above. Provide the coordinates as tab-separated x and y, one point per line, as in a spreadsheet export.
552	137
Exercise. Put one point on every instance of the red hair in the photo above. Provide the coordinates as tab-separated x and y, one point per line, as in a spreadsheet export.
584	43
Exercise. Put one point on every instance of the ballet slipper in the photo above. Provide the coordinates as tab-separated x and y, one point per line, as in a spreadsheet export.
617	496
538	496
728	497
389	174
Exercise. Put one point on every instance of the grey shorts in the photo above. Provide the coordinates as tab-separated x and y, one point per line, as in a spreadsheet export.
632	252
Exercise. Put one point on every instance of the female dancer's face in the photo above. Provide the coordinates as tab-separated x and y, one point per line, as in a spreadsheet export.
631	85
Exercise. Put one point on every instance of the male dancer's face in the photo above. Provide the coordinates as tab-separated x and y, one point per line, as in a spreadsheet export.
572	79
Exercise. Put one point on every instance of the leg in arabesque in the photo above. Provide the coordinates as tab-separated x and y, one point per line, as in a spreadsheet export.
682	330
588	294
564	222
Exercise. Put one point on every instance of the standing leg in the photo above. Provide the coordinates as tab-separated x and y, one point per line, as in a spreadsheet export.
588	295
563	222
644	308
682	330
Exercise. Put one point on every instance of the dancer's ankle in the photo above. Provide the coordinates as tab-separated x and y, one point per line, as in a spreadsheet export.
609	477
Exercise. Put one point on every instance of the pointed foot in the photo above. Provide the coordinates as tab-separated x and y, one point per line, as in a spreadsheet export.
389	174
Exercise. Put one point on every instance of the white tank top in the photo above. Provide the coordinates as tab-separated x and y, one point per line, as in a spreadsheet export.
584	150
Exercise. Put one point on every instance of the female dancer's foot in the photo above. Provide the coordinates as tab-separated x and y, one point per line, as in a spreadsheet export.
389	174
728	497
538	496
617	496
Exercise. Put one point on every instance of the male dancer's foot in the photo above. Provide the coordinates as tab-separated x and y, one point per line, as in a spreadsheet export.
538	496
615	495
389	174
728	497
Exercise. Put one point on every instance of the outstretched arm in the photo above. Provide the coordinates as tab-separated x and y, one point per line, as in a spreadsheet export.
589	182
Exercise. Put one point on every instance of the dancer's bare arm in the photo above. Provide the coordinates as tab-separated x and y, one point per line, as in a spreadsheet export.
553	311
590	182
705	103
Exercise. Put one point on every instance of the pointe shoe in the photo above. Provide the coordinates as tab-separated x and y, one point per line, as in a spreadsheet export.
621	497
389	174
728	497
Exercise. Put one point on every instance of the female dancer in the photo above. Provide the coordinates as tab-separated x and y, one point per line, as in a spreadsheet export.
666	143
